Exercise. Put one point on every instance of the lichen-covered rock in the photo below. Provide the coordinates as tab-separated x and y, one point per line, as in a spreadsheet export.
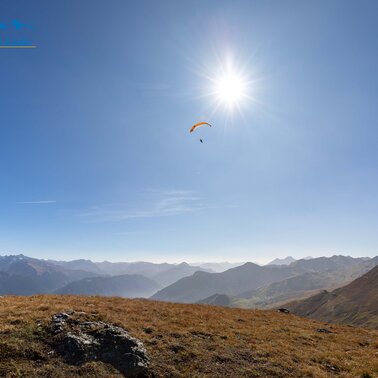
81	341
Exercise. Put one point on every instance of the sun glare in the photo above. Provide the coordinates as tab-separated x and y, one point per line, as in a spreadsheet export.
230	89
230	86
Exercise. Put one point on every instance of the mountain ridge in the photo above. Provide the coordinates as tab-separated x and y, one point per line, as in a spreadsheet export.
354	304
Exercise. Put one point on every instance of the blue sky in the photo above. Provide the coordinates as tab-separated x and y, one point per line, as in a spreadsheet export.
96	160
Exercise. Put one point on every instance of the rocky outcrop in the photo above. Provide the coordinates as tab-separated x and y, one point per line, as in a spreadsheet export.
79	340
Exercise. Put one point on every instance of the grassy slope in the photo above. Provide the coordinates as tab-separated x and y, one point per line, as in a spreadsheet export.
189	340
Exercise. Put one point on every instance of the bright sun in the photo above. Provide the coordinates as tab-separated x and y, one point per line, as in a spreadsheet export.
230	89
229	86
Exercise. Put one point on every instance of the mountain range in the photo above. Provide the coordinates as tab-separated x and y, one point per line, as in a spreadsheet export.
23	275
232	282
44	276
264	286
163	273
305	284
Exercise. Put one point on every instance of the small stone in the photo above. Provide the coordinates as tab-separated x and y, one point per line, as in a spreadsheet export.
324	330
284	310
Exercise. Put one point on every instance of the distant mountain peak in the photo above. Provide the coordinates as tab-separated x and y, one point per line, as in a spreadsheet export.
286	261
183	264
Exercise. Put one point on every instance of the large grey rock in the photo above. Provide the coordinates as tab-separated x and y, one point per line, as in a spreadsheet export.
80	341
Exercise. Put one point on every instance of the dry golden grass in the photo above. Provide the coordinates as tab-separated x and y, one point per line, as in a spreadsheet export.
188	340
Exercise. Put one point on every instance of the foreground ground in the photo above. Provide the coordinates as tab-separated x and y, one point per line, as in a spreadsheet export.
188	340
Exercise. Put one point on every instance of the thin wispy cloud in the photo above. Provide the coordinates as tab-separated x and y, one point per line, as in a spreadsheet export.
44	202
154	204
143	232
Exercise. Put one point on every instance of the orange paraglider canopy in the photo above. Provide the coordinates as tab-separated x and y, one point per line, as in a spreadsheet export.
198	125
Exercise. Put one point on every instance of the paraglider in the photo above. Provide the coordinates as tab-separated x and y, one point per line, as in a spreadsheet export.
199	124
